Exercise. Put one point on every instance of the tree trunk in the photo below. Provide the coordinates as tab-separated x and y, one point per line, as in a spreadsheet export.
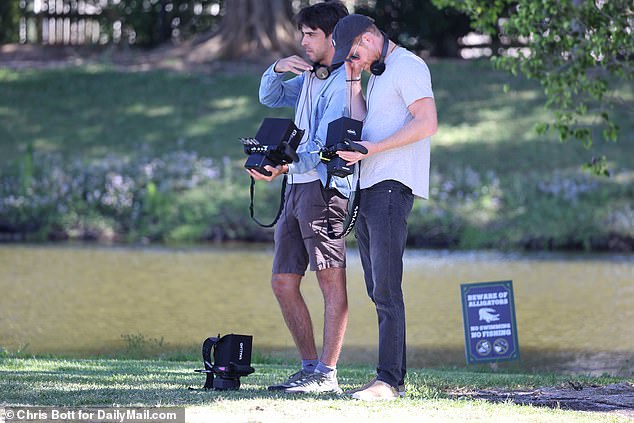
249	29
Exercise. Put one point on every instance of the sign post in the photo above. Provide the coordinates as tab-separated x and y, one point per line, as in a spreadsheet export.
488	311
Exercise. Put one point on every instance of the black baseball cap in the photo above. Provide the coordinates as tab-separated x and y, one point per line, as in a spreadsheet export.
347	29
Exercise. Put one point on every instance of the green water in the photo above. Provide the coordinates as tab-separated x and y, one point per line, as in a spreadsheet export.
574	312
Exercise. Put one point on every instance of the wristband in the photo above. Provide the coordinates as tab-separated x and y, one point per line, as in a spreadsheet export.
353	80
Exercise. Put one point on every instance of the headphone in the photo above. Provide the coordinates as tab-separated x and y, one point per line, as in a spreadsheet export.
378	66
321	71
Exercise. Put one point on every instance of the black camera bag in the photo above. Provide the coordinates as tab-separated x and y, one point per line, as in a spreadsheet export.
231	360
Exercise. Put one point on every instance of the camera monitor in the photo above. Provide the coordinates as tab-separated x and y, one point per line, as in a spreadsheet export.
341	136
274	144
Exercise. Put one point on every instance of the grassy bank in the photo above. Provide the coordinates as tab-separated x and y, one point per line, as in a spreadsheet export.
432	395
90	152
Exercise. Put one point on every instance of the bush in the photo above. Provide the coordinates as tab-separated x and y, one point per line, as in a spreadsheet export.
560	210
178	196
181	196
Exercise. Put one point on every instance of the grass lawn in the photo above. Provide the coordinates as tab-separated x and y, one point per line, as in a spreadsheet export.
432	395
91	111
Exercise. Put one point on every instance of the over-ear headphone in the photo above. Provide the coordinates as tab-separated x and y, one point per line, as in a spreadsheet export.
321	71
378	66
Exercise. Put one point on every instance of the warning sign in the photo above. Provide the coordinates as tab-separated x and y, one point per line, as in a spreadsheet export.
488	311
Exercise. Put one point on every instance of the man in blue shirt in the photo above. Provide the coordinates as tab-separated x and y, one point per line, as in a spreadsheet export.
317	93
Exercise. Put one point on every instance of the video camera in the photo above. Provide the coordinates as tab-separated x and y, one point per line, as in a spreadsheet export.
232	360
274	144
341	136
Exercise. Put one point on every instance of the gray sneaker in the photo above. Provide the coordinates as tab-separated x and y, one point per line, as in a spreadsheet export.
292	379
316	383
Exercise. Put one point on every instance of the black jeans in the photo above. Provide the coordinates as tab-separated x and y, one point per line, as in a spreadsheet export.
381	231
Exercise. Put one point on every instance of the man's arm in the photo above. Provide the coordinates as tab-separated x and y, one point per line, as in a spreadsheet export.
355	101
309	159
424	124
274	91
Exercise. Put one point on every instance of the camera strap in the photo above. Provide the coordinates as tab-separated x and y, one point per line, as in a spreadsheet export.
353	211
279	211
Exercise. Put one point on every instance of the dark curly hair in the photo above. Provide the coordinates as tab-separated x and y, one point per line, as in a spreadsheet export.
321	15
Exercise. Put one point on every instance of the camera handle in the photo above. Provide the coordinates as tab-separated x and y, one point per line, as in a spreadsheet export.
349	145
208	346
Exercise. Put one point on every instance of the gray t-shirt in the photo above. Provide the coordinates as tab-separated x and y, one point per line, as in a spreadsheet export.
405	80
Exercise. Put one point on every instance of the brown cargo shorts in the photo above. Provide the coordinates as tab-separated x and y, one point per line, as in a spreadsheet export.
301	233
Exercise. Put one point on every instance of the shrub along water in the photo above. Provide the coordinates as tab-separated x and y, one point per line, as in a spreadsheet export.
182	196
178	196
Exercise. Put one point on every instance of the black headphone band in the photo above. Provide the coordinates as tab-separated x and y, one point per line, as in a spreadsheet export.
321	71
378	66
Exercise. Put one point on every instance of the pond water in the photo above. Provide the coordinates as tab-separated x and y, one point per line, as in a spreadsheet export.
575	312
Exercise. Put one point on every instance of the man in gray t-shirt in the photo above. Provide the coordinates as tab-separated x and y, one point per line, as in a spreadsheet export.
399	116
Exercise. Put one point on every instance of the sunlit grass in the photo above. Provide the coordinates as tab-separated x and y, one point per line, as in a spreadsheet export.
47	382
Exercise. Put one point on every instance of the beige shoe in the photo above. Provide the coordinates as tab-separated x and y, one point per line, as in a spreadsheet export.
377	391
401	388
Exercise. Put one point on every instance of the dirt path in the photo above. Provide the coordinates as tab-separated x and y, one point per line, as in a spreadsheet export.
615	398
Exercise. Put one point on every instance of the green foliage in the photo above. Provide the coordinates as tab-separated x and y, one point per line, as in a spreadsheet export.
418	25
152	22
138	346
26	170
561	210
20	352
575	49
9	21
175	197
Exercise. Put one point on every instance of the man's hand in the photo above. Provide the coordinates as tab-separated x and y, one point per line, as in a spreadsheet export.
353	70
275	172
293	64
351	157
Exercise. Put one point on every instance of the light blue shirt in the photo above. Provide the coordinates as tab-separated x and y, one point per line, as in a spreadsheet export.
326	106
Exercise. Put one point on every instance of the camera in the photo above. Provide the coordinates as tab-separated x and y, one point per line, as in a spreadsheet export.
274	144
341	136
231	360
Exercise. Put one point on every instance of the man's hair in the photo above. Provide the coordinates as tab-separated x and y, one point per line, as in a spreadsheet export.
373	29
322	16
